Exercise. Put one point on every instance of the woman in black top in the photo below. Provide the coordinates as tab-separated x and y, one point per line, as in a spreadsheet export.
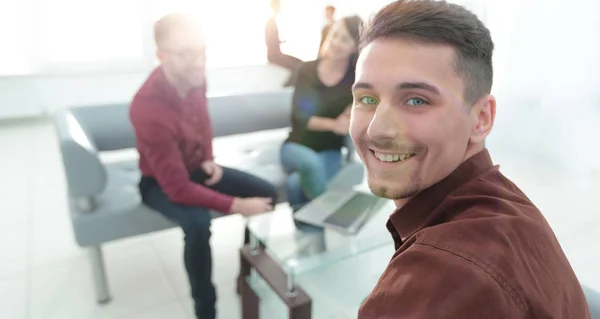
321	114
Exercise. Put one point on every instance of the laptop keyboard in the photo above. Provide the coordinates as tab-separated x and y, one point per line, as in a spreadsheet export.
352	211
329	199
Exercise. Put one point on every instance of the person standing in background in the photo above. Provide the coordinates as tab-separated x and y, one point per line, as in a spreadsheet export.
329	21
273	42
180	179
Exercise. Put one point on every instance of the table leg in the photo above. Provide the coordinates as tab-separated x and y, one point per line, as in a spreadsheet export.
298	303
245	269
301	312
250	302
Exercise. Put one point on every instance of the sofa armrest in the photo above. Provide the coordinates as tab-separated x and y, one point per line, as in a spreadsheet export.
86	175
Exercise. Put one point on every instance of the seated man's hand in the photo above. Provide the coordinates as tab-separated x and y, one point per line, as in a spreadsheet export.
251	206
214	171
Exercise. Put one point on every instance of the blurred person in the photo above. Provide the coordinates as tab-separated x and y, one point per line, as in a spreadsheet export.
311	155
469	243
174	139
329	21
273	42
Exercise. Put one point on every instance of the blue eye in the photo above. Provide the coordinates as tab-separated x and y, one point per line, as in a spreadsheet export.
416	101
368	100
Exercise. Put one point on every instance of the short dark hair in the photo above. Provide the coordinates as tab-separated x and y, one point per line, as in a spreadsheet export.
433	21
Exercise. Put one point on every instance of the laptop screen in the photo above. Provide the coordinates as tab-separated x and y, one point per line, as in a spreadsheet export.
352	210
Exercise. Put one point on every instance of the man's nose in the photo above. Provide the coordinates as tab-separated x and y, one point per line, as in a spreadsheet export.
384	124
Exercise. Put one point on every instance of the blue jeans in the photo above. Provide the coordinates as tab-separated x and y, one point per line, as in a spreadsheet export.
195	223
308	171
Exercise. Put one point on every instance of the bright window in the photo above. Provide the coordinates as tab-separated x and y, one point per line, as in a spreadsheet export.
86	36
15	31
90	31
234	29
300	24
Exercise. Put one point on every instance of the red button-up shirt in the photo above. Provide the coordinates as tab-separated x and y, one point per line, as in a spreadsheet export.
173	138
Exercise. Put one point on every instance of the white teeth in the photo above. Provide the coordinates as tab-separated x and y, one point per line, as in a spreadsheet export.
393	158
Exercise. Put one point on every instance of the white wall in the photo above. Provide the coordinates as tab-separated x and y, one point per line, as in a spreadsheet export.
25	96
547	81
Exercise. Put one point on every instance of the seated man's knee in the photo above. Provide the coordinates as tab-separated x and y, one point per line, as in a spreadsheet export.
274	195
197	224
266	189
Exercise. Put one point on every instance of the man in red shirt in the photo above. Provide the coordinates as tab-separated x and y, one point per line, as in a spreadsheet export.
174	139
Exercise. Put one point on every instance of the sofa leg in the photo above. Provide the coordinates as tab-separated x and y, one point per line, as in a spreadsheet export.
99	273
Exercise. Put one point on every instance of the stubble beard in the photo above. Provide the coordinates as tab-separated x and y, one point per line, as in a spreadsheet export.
379	189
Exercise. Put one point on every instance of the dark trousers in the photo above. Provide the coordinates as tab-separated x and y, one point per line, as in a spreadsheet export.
195	223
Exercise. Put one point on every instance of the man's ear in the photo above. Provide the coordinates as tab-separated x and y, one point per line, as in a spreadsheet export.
483	114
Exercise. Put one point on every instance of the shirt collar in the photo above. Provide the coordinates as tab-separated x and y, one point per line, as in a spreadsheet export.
419	212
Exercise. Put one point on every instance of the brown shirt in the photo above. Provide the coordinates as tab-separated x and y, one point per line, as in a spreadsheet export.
474	246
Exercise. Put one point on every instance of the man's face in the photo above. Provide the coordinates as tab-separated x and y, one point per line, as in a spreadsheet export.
183	54
409	123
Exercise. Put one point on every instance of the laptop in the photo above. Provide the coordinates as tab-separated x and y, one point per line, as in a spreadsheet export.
344	210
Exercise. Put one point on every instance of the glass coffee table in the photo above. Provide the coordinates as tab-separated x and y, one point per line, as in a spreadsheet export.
285	256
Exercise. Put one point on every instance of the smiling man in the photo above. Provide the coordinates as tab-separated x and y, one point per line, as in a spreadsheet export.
469	243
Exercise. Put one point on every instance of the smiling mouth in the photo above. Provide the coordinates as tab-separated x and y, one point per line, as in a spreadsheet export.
392	158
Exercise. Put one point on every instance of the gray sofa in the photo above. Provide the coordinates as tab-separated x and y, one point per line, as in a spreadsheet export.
593	298
104	201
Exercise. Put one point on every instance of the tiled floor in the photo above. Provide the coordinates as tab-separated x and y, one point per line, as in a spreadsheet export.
43	274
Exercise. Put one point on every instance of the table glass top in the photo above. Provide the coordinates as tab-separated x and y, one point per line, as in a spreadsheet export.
303	248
